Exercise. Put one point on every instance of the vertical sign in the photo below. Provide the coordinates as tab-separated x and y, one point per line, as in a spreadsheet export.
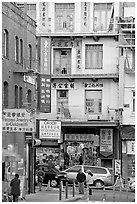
85	18
45	56
44	93
43	14
106	141
78	45
117	166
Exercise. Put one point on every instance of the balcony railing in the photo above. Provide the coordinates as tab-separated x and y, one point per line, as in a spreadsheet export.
78	113
62	71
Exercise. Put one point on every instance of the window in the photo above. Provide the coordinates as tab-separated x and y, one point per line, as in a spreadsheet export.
20	97
94	102
21	51
6	94
102	15
74	169
29	97
16	96
62	100
101	171
62	61
30	55
94	56
64	16
133	101
5	44
16	49
92	169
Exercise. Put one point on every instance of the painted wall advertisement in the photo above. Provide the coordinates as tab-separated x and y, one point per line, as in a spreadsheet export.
44	93
18	120
50	129
106	141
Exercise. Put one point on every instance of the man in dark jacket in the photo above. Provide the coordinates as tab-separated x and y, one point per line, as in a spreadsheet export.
15	188
81	178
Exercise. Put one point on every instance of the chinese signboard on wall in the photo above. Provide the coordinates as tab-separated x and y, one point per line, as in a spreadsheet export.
85	7
45	56
50	129
63	85
18	120
78	45
44	93
93	85
106	141
117	166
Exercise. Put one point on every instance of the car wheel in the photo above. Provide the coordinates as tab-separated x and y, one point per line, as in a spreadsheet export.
98	183
53	183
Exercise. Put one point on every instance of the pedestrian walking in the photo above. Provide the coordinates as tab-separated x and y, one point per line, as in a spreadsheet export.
81	159
81	178
15	188
89	182
40	175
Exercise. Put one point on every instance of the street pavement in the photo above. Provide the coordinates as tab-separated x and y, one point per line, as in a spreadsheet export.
97	196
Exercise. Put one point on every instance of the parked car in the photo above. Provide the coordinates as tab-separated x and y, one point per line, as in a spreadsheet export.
101	175
52	174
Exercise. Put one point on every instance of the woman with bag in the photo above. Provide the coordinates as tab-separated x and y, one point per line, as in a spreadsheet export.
89	182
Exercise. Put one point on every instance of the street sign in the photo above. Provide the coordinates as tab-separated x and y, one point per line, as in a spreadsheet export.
117	167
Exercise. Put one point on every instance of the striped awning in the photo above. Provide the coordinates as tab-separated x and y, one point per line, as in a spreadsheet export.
128	132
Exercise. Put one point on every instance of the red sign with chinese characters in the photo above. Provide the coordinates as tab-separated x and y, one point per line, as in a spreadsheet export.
44	93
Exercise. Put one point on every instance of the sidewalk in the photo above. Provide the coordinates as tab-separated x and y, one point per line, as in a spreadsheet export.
51	196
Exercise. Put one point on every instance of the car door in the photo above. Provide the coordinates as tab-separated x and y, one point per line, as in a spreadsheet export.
72	172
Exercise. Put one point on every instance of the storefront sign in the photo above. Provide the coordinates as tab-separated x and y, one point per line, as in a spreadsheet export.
45	56
93	85
50	129
83	138
106	140
131	147
18	120
44	90
117	166
62	43
63	85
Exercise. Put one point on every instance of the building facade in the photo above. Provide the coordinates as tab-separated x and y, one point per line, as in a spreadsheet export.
83	39
18	88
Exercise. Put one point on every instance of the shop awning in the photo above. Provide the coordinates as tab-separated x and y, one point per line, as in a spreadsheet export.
12	156
128	132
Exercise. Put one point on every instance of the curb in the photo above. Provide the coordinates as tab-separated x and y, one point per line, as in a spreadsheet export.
72	199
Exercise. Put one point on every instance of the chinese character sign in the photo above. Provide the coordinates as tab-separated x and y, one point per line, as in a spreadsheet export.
106	140
45	56
44	96
50	129
18	120
78	45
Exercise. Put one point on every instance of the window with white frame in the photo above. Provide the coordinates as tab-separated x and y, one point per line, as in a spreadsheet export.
5	44
62	100
16	49
93	101
102	16
94	56
133	101
64	16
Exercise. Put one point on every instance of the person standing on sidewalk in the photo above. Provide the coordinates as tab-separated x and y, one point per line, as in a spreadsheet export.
40	175
15	188
89	182
81	178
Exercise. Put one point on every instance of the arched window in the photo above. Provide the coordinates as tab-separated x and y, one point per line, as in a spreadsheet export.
5	43
6	94
29	97
30	55
20	97
21	51
16	49
16	96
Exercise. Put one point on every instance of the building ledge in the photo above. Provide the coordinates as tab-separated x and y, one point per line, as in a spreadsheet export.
85	76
